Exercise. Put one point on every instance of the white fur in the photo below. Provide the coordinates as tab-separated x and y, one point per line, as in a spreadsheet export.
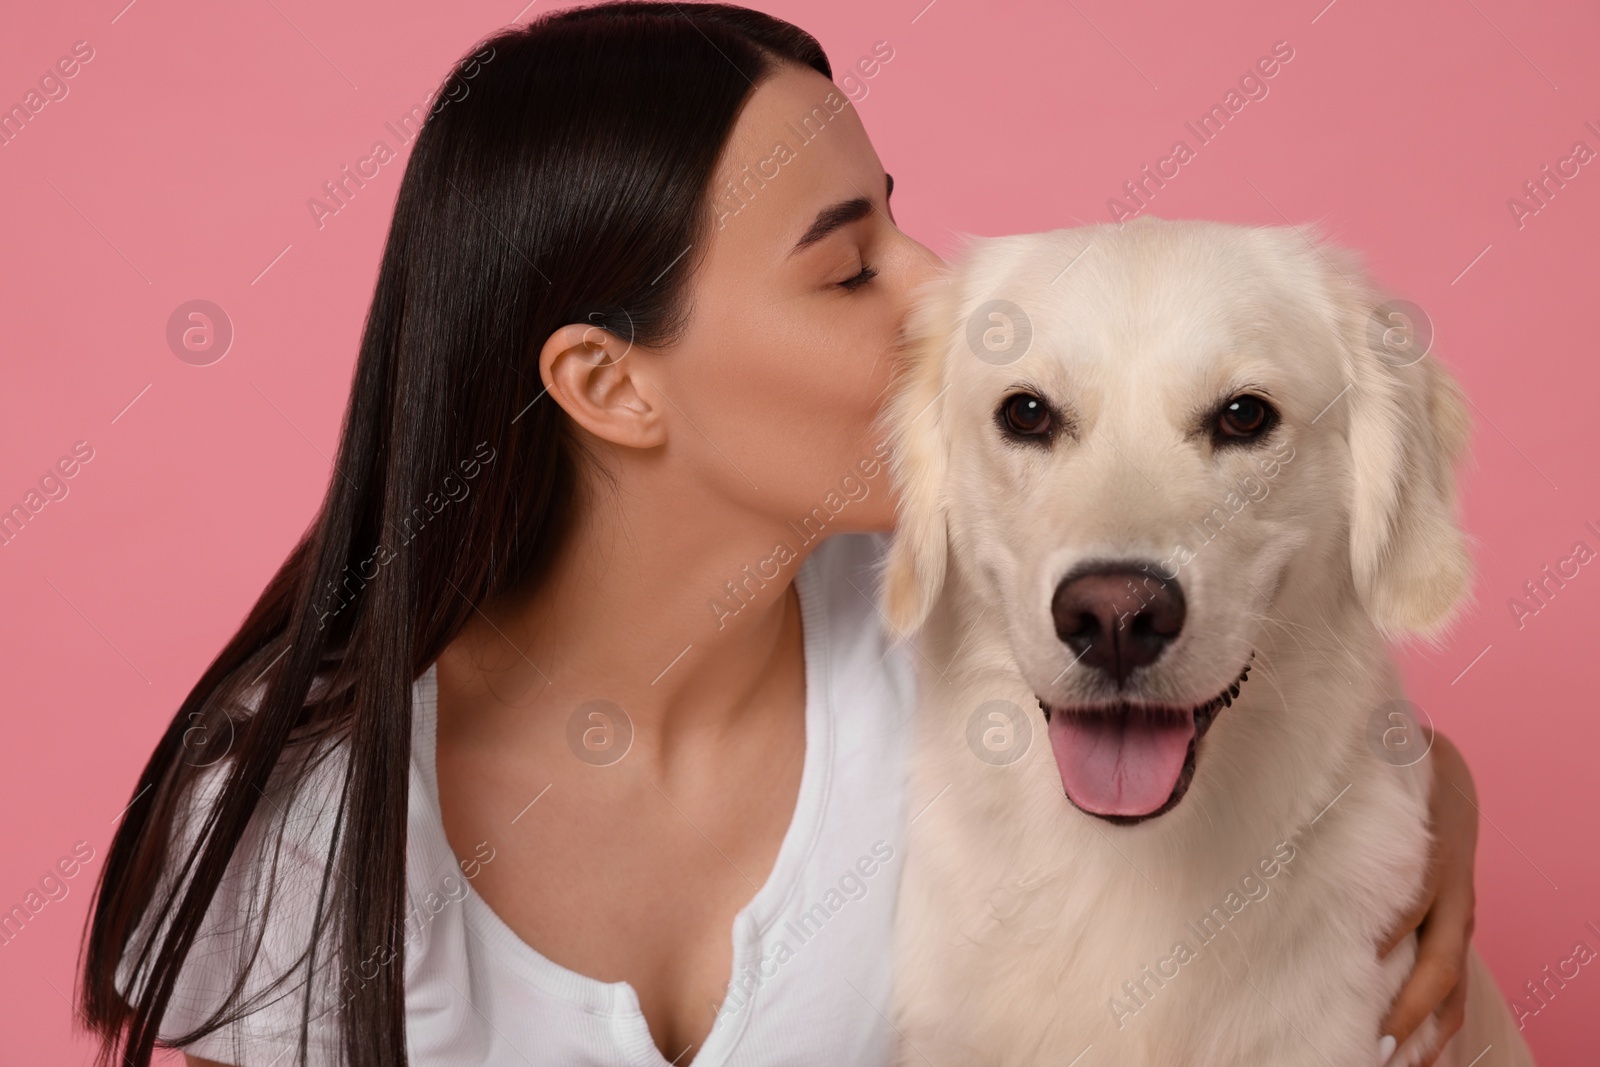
1020	916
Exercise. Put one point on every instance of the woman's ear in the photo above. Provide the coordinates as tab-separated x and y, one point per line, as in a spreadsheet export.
914	568
1408	427
598	380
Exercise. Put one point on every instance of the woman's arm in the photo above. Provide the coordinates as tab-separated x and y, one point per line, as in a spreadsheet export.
1444	919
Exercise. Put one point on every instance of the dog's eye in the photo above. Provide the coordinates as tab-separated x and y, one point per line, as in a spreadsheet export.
1025	415
1244	418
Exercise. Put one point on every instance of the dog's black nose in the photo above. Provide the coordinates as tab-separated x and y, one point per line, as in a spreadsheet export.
1117	616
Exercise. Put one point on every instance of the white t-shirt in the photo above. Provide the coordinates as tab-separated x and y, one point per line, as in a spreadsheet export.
811	950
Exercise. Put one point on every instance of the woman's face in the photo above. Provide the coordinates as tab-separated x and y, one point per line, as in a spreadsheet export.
795	310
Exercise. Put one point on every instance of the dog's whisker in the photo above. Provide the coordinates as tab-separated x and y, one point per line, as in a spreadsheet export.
1270	605
1287	625
1282	621
1269	671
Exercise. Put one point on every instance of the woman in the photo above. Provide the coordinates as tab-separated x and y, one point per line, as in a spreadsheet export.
632	323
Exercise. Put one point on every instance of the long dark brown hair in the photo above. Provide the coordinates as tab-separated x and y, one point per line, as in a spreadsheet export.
559	179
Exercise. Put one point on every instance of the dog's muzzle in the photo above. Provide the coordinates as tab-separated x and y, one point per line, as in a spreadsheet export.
1127	762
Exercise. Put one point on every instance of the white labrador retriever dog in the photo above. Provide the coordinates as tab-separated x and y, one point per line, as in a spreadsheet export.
1166	488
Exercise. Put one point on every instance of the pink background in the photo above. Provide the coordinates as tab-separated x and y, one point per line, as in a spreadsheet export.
180	163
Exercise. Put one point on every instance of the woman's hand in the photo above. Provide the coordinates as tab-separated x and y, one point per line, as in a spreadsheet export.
1443	920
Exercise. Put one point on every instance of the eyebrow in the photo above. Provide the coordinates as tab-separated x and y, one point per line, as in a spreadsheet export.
841	214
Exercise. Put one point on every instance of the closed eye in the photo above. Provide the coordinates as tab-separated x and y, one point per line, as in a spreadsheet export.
856	281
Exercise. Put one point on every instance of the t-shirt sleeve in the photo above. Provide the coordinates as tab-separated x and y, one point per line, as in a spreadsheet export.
262	916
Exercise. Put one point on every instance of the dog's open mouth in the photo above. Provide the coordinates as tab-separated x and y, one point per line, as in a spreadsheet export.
1129	762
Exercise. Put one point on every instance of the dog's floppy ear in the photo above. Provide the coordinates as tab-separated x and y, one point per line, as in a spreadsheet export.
914	569
1408	427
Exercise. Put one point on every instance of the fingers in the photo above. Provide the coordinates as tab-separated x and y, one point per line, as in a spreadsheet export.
1444	919
1439	971
1430	985
1452	1016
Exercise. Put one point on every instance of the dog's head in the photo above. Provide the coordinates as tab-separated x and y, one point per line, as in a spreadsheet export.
1142	443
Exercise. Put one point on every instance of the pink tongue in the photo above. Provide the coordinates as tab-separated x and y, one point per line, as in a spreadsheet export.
1117	764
